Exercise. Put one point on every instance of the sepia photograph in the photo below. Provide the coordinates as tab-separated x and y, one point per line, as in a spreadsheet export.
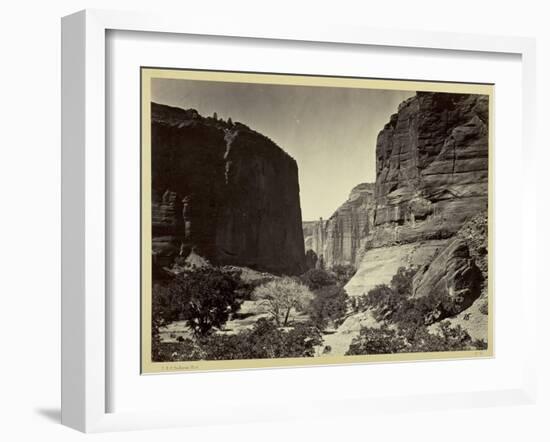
309	220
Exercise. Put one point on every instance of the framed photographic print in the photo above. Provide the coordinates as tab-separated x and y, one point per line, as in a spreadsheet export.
240	199
353	227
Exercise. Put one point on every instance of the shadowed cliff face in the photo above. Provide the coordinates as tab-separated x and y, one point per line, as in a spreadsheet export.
225	190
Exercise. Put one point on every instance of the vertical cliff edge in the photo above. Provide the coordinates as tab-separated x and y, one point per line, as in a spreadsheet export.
431	179
224	190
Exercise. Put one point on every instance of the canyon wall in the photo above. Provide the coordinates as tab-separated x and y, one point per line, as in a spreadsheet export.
225	191
431	178
429	211
338	240
431	168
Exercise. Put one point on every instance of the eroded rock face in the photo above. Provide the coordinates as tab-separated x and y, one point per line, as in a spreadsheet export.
338	240
429	211
431	199
224	190
432	168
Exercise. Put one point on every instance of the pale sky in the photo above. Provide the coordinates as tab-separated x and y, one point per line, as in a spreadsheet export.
330	132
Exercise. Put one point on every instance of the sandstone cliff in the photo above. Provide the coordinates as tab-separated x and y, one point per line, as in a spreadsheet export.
338	240
224	190
429	209
431	168
431	173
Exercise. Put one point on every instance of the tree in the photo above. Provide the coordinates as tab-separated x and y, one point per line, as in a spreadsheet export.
401	282
311	259
317	278
330	303
376	341
281	296
343	273
204	297
384	301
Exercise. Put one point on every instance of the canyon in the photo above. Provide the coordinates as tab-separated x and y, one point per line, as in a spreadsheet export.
229	195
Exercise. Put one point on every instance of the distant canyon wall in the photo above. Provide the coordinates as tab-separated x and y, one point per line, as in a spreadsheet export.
224	190
338	240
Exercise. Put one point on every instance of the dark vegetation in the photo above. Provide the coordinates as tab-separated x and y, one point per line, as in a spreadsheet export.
394	303
329	305
403	339
203	297
264	340
207	297
406	319
330	302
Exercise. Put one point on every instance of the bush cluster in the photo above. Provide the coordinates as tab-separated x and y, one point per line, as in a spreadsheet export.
386	340
203	297
264	340
394	303
315	279
405	320
343	273
330	304
330	301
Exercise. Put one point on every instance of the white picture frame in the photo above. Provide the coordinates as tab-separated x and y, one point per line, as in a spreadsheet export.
85	310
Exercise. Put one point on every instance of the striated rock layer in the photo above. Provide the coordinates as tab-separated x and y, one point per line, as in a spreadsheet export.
431	168
337	241
224	190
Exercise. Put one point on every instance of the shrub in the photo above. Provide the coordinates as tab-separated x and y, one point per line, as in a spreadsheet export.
317	278
402	339
311	259
328	304
264	340
384	301
184	350
394	303
281	296
204	297
343	273
373	341
484	308
401	282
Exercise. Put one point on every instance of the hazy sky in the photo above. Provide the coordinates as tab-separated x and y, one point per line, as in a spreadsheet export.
330	132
